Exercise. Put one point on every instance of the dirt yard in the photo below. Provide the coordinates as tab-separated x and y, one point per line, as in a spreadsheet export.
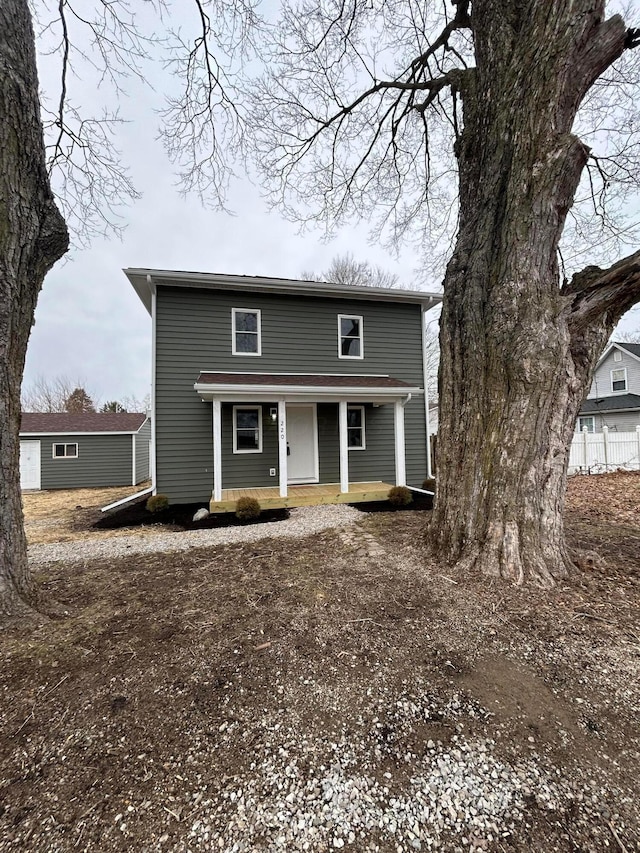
339	691
65	515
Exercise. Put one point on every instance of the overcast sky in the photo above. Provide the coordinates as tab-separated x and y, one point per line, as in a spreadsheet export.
91	326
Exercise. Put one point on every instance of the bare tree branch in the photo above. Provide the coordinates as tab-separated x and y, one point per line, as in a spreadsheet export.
594	292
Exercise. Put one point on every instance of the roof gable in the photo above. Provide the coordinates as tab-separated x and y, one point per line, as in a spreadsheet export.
65	423
631	349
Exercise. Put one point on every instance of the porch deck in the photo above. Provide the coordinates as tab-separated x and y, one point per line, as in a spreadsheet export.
306	495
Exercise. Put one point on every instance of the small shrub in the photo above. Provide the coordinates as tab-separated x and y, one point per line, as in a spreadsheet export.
429	485
157	503
400	496
247	509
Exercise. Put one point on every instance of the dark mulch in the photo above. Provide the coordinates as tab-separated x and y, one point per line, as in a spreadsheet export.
180	516
419	503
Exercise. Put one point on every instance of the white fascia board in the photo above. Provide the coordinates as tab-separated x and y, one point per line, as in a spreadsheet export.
258	284
267	393
273	373
605	354
623	349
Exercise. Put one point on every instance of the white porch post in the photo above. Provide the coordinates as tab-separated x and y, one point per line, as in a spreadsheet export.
217	450
282	447
344	446
398	431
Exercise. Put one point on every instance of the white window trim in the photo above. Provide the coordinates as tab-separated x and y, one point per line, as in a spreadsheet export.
626	384
258	314
257	409
581	425
64	444
364	436
617	356
342	317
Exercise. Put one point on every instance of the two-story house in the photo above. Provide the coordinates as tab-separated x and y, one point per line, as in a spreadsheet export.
614	398
291	391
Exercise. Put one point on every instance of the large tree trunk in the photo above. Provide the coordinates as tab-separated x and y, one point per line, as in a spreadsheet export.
518	349
33	237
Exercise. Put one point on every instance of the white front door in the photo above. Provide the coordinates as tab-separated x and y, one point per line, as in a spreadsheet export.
302	443
29	464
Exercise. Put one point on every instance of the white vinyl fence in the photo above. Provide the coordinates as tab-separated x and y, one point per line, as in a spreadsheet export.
605	451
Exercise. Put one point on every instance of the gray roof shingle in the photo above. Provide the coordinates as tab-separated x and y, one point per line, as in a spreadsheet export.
63	422
615	403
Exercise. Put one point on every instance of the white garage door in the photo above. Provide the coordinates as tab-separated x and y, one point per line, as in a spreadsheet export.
29	464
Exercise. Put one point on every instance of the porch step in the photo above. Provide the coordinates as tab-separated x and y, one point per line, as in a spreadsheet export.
311	495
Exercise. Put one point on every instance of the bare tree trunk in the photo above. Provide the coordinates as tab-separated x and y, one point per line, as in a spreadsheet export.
517	349
33	237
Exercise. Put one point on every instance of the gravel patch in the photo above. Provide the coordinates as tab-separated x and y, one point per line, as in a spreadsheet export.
303	521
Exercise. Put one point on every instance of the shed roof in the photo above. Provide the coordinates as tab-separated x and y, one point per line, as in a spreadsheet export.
65	423
614	403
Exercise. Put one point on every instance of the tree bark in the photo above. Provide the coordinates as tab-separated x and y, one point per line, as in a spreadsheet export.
517	349
33	236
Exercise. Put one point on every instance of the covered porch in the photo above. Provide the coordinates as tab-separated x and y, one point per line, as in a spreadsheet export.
293	437
302	495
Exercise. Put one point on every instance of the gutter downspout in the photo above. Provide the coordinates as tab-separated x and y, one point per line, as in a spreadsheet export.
425	377
152	288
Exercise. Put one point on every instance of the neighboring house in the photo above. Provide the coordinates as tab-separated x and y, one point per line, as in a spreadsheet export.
614	398
266	385
90	450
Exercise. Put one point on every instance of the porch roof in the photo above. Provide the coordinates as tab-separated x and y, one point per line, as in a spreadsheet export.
311	386
614	403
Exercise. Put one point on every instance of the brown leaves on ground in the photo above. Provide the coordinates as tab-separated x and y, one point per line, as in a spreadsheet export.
614	498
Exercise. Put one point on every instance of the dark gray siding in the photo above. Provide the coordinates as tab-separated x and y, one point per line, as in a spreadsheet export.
377	461
415	442
103	460
328	443
299	334
143	437
245	470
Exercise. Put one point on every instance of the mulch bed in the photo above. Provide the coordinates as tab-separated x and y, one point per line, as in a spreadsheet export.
180	516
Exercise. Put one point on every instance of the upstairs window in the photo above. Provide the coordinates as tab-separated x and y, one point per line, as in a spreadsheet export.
617	356
350	342
247	429
619	379
65	451
246	333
